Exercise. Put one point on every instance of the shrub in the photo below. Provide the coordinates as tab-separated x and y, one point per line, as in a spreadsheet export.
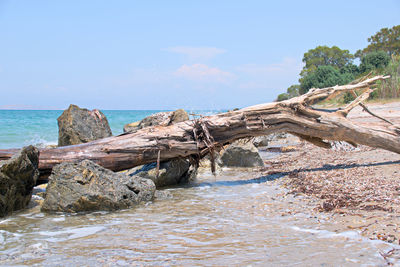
374	60
324	76
348	97
282	97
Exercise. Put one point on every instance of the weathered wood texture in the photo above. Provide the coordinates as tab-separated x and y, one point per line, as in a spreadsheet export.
198	137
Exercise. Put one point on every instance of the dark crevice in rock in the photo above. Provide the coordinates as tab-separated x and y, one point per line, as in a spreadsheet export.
133	189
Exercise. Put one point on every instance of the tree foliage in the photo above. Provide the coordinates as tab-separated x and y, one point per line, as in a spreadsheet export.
386	39
283	96
329	66
374	60
293	90
324	76
350	69
390	88
325	56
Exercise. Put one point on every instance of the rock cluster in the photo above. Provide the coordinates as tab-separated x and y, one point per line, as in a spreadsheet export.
170	172
86	186
77	125
18	176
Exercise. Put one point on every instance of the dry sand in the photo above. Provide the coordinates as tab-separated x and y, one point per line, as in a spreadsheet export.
357	187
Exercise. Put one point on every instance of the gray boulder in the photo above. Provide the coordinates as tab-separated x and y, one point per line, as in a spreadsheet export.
178	115
158	119
260	141
277	136
241	154
77	125
161	118
170	173
131	127
18	176
266	140
86	186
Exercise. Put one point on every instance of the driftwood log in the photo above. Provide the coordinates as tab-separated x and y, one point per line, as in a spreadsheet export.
196	138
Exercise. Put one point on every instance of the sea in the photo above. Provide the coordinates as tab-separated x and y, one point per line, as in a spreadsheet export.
19	128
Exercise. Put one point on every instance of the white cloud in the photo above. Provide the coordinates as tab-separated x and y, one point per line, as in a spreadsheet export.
287	65
196	53
203	73
276	76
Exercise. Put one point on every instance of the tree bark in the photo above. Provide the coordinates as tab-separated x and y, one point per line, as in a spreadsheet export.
196	138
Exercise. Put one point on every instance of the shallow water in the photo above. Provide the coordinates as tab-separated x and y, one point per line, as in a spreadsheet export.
225	220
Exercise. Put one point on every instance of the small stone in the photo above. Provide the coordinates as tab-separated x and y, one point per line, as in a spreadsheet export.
162	194
261	141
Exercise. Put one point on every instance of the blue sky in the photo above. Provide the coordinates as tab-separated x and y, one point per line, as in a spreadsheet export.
169	54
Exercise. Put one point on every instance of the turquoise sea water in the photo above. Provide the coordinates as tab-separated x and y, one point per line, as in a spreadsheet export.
19	128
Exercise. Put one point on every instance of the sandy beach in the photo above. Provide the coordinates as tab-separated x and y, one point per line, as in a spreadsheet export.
356	187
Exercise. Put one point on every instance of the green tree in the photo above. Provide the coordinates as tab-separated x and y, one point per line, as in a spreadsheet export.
325	56
293	90
374	60
324	76
350	69
283	96
386	39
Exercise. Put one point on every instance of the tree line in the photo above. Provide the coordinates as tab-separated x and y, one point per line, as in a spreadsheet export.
329	66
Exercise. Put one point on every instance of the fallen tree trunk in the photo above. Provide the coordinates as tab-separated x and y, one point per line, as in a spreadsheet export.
196	138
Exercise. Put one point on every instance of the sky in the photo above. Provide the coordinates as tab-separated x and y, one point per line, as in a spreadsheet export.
170	54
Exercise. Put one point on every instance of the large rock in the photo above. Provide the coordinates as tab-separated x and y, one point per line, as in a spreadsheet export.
158	119
18	176
77	125
241	154
170	172
86	186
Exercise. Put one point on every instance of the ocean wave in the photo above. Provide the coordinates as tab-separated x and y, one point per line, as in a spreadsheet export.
39	142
